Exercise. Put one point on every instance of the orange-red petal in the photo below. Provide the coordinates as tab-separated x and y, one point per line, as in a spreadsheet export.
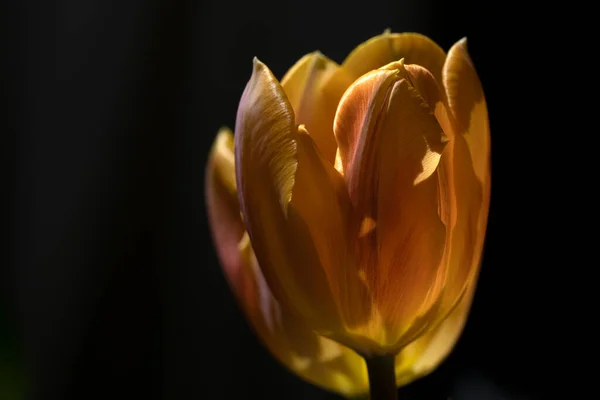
390	147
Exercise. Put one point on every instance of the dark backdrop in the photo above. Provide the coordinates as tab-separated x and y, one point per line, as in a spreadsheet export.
110	286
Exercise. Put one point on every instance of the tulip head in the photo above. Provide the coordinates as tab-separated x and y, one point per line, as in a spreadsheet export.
358	208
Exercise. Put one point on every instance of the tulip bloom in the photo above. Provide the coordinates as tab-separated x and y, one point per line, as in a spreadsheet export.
350	213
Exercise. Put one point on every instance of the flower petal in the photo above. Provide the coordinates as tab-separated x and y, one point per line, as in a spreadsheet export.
289	199
459	185
321	200
390	145
222	204
232	242
467	102
381	50
408	203
470	160
357	114
388	47
303	85
427	86
316	359
425	354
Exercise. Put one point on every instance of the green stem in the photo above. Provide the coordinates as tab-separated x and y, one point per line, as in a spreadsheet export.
382	377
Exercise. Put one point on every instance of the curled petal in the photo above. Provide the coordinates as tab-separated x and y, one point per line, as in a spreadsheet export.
390	146
289	198
303	85
357	114
381	50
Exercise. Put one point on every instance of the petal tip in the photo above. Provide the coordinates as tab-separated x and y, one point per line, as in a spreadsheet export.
224	131
257	64
462	45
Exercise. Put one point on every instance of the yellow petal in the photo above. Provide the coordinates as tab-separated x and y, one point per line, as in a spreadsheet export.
316	359
379	51
320	199
390	145
425	354
467	103
303	85
469	158
388	47
222	203
292	205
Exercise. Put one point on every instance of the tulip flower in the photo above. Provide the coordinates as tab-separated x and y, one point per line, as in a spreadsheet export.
349	211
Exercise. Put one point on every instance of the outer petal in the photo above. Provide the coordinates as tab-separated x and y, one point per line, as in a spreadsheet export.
425	354
384	49
470	160
312	357
293	204
303	85
467	103
390	147
222	205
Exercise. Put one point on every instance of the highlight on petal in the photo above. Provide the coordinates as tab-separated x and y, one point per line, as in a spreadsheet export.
390	145
294	205
303	85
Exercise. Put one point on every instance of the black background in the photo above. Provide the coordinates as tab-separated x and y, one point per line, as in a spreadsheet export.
110	285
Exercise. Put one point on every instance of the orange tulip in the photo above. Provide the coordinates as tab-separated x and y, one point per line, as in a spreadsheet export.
364	193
